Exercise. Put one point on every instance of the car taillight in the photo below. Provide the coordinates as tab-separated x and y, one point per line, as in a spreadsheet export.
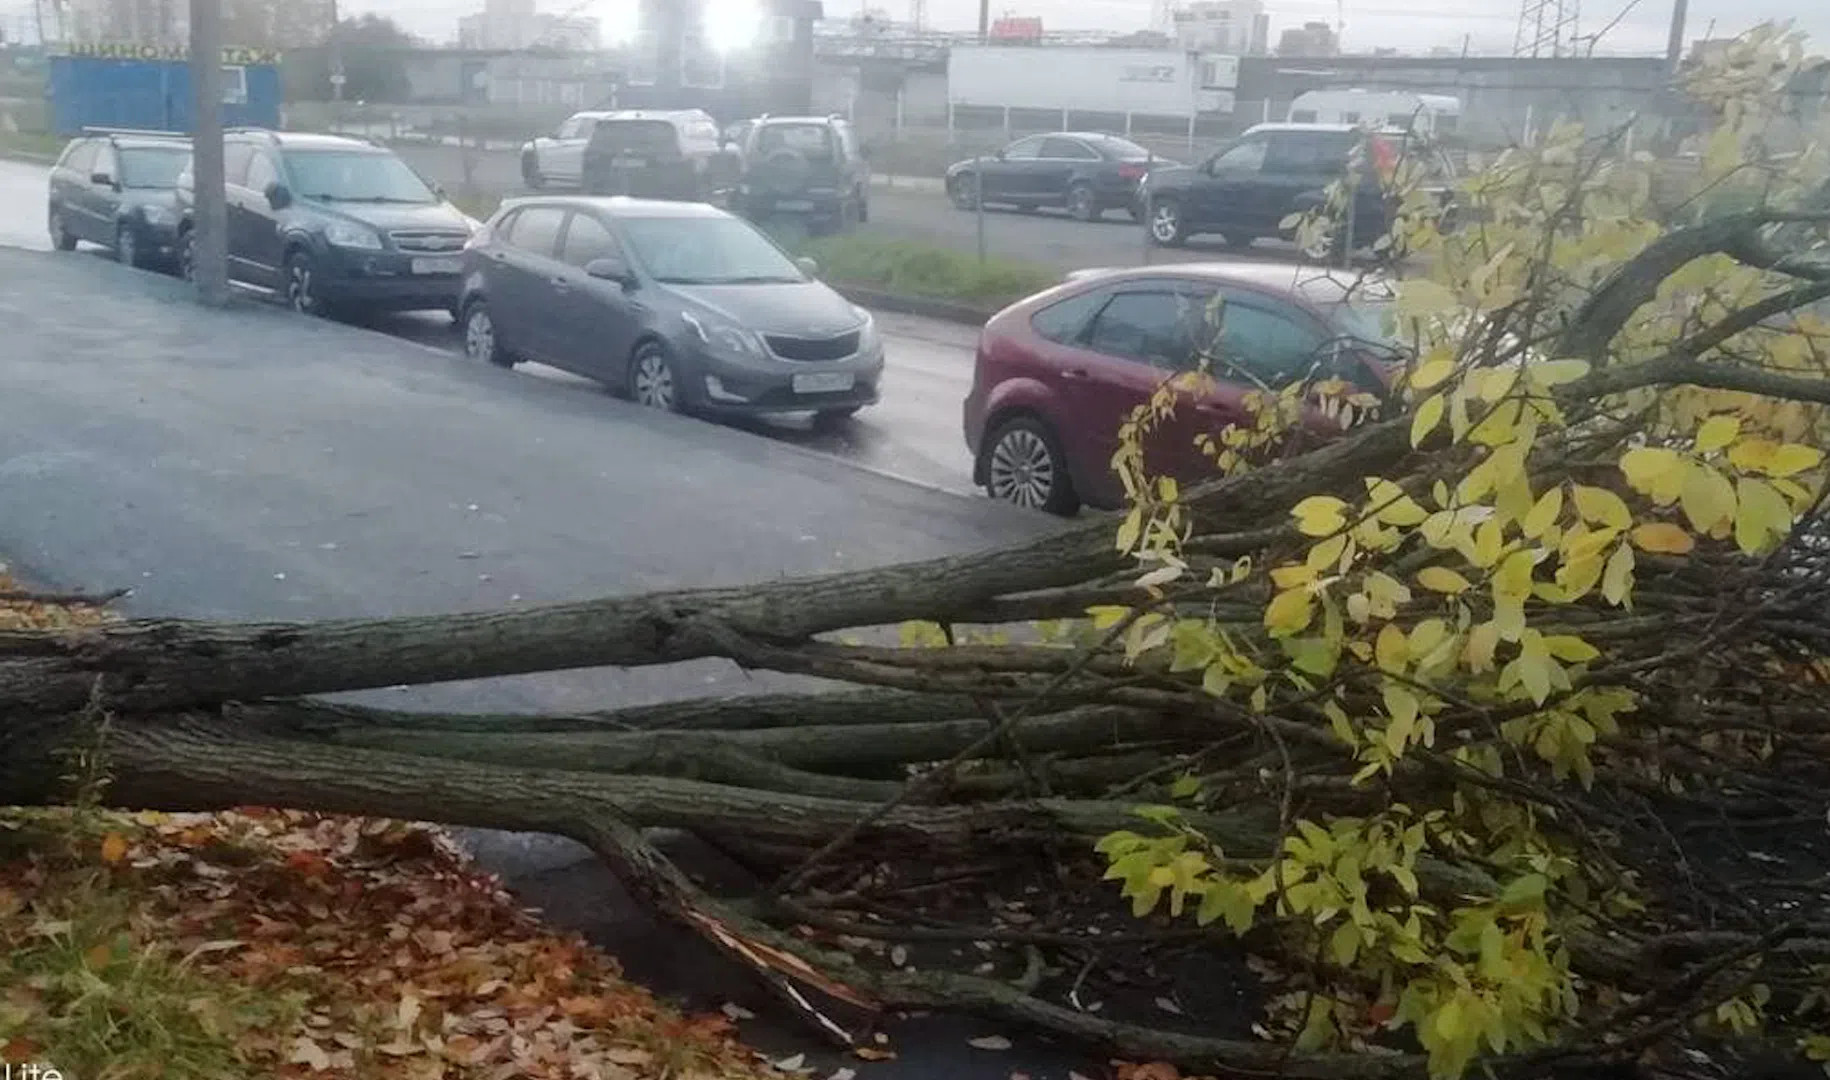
1131	172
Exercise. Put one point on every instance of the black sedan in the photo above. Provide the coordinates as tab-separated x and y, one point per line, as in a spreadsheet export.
678	306
1085	173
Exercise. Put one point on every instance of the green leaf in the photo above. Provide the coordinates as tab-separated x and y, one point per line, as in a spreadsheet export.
1429	415
1344	945
1185	786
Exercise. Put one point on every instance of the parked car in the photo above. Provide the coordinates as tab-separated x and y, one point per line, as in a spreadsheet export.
679	306
559	159
119	189
809	167
1249	186
1085	173
330	223
1058	373
658	155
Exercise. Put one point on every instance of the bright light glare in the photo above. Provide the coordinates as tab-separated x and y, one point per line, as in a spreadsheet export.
732	24
622	21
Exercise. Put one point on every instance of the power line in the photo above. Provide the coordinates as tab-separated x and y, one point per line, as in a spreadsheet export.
1546	28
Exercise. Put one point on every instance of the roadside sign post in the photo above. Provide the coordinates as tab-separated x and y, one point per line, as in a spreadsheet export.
978	205
210	217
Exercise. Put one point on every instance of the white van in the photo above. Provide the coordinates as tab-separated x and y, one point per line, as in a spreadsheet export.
1380	110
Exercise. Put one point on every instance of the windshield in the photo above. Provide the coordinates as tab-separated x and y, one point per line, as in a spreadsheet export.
153	168
707	251
355	176
1122	149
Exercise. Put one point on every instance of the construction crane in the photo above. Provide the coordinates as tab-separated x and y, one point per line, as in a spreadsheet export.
1547	28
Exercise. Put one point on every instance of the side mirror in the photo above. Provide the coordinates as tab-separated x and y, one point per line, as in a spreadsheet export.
608	269
278	196
101	178
809	265
999	155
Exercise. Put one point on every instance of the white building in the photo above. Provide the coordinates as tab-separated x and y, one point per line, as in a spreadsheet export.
1238	27
514	24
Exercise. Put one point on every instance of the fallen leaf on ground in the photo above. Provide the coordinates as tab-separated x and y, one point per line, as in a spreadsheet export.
873	1053
989	1042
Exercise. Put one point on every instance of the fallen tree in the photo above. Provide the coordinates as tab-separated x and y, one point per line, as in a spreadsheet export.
1463	718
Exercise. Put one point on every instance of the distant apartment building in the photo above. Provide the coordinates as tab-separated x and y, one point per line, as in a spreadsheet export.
514	25
678	59
1234	27
1310	39
151	22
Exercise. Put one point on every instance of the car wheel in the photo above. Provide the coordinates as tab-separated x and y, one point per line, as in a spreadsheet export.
1024	465
127	247
1166	225
530	173
187	255
961	190
651	378
61	237
302	285
480	341
1082	203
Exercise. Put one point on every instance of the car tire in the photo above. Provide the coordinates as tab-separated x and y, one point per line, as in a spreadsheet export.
301	285
653	383
1165	226
1083	203
480	340
960	189
1024	465
187	255
530	173
61	237
127	247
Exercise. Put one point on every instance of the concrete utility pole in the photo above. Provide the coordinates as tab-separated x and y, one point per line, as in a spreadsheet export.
1674	48
984	20
335	39
210	215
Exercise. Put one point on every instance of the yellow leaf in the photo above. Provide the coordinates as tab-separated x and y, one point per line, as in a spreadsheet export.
1429	414
1762	518
1617	579
1663	538
1403	707
1426	635
1391	505
1602	507
1166	489
1570	648
1752	455
1289	612
114	847
1557	372
1708	497
1543	513
1128	531
1717	432
1792	459
1578	576
1443	580
1432	372
1319	515
1655	472
1392	648
1513	578
1482	641
1325	554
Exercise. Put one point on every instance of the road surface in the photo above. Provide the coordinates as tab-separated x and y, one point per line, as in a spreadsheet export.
914	433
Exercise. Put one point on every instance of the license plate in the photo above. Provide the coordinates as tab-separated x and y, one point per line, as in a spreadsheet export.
823	382
438	266
795	204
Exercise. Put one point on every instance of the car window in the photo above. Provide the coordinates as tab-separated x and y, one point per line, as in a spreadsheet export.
1242	158
1024	149
1064	320
1120	149
1309	151
235	158
153	167
261	173
810	140
586	239
1067	149
536	230
104	161
576	127
636	137
1156	326
81	157
1276	346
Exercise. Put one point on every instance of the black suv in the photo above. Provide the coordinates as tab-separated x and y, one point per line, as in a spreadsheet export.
119	189
1247	189
806	166
331	223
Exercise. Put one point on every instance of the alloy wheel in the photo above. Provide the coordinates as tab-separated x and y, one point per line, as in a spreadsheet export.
480	336
126	247
1022	469
299	295
653	382
1165	223
1080	203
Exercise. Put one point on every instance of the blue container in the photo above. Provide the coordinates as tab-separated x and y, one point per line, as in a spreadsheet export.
150	89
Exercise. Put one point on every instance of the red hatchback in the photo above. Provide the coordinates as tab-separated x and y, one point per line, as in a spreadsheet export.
1058	373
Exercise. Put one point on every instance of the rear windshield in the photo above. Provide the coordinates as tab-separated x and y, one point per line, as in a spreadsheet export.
153	167
811	140
652	136
1120	149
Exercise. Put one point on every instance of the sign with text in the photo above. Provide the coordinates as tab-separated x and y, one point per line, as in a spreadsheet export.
123	50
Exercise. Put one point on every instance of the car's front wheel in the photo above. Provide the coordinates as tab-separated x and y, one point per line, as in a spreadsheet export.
1024	465
187	255
302	286
481	342
1083	203
61	236
963	190
652	382
1167	226
127	247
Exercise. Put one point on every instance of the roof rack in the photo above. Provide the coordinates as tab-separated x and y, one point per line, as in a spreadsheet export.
250	130
137	132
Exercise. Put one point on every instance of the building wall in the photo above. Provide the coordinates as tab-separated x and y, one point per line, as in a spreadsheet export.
671	64
1224	26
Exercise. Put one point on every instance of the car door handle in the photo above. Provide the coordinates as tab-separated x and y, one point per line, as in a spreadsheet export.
1076	373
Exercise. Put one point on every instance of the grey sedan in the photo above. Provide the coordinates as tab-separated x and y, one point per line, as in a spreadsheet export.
680	306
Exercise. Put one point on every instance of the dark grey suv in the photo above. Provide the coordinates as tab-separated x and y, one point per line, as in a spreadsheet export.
808	167
679	306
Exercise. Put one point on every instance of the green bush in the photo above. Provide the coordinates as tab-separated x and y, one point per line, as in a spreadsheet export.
910	268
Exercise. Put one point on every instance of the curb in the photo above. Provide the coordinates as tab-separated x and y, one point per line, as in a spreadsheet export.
955	311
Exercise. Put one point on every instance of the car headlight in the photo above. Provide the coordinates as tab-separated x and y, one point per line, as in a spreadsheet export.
867	333
722	338
350	235
158	215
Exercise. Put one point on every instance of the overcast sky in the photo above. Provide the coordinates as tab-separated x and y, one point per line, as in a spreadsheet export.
1412	25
